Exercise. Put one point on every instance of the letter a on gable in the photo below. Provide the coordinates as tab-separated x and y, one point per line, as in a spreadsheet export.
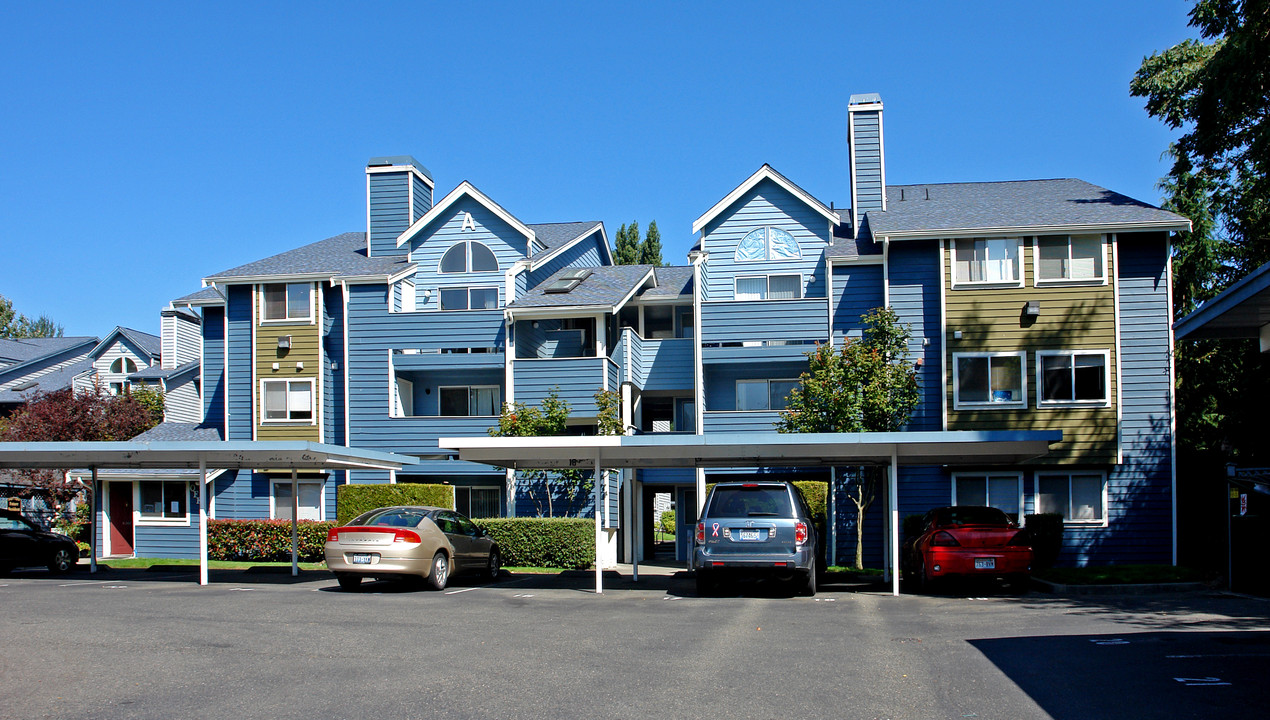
468	222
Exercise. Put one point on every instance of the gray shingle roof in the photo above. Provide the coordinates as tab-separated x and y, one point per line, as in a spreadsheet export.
13	352
341	255
553	235
155	372
151	344
672	281
180	432
207	294
48	382
845	247
928	210
606	286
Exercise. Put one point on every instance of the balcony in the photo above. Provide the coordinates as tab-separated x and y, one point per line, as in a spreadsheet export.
577	380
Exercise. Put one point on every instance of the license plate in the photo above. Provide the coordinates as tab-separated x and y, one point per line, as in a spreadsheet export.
362	558
749	534
985	564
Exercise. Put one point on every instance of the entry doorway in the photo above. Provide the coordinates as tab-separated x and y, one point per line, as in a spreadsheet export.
658	529
120	508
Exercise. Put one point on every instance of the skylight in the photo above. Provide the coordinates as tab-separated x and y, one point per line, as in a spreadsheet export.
568	280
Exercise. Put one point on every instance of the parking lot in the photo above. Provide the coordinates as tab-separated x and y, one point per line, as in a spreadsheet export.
153	644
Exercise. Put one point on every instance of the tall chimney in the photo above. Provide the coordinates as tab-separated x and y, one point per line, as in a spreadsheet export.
867	158
398	192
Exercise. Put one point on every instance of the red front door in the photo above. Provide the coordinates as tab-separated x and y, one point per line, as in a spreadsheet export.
120	518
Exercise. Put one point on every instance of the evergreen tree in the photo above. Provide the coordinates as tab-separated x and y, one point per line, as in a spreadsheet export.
16	326
650	249
627	251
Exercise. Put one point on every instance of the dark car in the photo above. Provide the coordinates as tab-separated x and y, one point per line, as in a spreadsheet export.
428	543
968	541
754	529
23	544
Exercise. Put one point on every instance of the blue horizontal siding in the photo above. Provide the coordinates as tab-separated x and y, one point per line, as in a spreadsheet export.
169	541
239	367
666	364
914	274
740	321
213	366
577	380
718	421
389	211
584	253
720	380
857	289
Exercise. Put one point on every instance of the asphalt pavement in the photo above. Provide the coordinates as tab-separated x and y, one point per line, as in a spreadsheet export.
154	644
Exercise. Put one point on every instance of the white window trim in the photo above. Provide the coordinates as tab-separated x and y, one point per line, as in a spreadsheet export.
1038	281
276	480
469	289
1106	379
959	404
990	474
1036	495
469	389
768	278
467	259
139	520
260	300
952	265
736	398
313	399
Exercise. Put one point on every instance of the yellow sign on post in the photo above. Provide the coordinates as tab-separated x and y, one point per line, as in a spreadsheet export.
15	504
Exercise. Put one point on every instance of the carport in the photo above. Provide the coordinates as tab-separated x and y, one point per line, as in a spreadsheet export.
230	455
746	450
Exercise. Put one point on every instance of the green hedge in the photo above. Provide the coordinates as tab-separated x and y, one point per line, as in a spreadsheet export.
544	542
353	500
264	540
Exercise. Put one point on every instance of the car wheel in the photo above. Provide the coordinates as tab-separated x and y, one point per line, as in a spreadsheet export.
349	582
494	565
705	583
440	571
810	588
923	582
61	561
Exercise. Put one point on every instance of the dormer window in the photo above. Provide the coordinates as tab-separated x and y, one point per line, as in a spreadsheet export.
767	243
468	256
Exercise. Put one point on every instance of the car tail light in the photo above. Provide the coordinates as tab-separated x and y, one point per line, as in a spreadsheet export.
701	532
800	532
943	539
405	536
333	535
1020	538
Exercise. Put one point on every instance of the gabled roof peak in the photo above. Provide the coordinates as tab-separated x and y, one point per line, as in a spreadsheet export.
464	189
767	172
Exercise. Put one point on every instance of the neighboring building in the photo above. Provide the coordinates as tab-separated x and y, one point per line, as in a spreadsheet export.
34	365
1034	305
124	351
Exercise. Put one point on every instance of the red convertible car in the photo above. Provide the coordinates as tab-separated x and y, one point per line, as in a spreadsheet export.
968	541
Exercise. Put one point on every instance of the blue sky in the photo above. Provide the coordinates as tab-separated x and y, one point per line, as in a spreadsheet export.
144	146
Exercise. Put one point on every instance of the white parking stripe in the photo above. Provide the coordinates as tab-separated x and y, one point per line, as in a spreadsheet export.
456	592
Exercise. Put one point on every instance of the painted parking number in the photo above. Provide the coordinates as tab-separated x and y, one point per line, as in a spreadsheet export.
1200	682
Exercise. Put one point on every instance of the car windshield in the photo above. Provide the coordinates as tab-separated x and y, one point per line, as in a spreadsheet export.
394	518
971	516
750	501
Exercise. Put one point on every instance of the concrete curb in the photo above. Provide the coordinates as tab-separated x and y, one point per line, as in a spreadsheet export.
1123	589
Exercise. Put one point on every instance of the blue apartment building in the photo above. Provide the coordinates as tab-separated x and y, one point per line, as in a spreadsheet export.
1038	304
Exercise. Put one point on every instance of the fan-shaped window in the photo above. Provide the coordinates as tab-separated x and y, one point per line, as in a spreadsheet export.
123	365
767	243
468	256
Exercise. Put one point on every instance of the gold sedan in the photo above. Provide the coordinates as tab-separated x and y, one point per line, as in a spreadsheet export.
407	541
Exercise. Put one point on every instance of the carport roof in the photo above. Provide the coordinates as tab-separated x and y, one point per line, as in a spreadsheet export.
188	454
757	449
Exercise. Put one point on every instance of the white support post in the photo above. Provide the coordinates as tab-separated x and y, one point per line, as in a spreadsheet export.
295	531
633	526
202	520
599	531
833	516
893	493
886	532
98	525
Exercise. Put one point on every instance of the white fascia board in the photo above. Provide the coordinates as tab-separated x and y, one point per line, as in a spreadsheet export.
542	258
467	189
1162	225
764	173
554	312
651	274
865	107
401	168
205	302
858	260
405	272
276	278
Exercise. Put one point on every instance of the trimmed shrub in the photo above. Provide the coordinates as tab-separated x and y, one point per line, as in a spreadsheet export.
353	500
668	521
544	542
265	540
1045	532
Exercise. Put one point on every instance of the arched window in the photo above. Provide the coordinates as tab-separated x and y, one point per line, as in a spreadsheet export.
767	243
123	365
468	256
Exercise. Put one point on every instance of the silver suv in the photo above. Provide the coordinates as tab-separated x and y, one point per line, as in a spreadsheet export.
755	528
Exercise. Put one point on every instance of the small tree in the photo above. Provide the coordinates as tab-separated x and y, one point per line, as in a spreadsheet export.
866	385
16	326
551	418
627	250
650	248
